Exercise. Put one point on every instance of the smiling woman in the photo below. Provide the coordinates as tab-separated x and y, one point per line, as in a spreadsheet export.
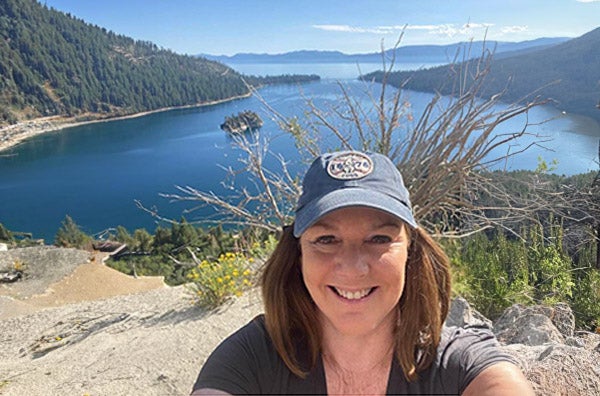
355	297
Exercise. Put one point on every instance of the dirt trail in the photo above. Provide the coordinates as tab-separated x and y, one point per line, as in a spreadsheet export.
85	281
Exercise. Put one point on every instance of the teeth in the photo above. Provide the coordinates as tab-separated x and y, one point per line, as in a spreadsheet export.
353	295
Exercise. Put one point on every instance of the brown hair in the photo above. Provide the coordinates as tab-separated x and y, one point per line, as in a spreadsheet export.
291	316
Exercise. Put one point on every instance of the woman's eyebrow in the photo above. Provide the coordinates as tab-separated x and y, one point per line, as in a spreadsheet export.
323	224
388	224
397	225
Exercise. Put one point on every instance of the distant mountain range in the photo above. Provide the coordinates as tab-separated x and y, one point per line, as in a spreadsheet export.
420	53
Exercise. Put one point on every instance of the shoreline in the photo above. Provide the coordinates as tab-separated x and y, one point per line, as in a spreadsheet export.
12	135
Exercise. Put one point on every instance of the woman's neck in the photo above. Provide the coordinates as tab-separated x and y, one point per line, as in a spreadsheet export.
358	352
357	365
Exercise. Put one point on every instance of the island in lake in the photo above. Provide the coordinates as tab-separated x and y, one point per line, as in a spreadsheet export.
242	122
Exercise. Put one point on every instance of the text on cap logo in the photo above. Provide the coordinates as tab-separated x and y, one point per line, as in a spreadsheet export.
349	166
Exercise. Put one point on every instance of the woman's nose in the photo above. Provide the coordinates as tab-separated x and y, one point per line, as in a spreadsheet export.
352	261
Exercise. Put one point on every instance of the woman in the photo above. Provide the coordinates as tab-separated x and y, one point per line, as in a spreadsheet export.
355	297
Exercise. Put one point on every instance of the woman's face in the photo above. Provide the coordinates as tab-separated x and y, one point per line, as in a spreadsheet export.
353	265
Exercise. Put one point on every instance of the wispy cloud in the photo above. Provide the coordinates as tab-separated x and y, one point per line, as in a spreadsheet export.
357	29
445	30
588	1
451	30
513	29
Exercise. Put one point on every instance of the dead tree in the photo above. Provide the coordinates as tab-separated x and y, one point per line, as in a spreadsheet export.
443	155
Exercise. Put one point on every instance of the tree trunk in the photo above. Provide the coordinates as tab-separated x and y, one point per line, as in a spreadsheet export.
598	246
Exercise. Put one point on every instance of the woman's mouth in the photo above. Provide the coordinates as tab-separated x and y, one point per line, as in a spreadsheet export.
352	295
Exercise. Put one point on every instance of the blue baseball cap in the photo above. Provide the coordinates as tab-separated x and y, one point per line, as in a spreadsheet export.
351	178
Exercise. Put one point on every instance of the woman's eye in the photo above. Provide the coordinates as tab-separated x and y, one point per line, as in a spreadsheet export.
381	239
325	240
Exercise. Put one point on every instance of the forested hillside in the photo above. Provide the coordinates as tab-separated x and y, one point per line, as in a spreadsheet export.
568	73
56	64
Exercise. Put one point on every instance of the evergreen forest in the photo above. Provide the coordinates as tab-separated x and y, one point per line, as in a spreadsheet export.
53	63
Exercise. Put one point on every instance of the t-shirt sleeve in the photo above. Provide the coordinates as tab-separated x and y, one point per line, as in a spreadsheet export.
468	352
233	366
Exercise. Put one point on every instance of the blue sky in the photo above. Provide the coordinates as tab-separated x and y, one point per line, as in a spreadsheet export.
351	26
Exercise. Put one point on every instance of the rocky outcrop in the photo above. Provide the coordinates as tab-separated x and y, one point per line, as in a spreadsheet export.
557	359
41	266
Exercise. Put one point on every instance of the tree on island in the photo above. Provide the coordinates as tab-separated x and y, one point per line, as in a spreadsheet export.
242	122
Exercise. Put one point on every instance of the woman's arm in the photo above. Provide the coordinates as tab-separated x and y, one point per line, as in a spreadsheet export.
500	379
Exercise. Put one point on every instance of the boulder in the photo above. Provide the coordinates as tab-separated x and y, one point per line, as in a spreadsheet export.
461	314
563	318
555	358
557	369
533	325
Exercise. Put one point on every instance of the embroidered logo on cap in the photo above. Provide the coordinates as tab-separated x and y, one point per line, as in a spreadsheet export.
349	166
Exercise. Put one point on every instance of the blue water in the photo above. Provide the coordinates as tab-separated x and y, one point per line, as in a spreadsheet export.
94	173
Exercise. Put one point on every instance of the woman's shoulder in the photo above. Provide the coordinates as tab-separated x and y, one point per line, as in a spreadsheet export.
247	362
464	335
254	329
235	366
464	352
469	344
250	340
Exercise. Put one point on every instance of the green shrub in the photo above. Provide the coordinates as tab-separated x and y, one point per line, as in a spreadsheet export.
70	235
549	266
214	282
166	252
586	301
494	272
5	234
264	249
586	292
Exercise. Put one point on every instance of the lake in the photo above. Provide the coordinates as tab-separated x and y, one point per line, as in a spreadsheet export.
95	172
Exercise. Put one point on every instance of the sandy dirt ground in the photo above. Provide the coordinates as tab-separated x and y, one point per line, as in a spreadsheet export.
84	281
95	331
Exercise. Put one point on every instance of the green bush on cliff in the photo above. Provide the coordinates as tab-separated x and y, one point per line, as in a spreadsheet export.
494	272
5	234
586	292
213	282
69	235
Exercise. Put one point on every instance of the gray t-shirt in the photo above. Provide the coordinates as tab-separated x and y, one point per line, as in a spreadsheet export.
247	363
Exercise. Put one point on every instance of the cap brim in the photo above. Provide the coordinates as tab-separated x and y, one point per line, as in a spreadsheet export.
314	210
